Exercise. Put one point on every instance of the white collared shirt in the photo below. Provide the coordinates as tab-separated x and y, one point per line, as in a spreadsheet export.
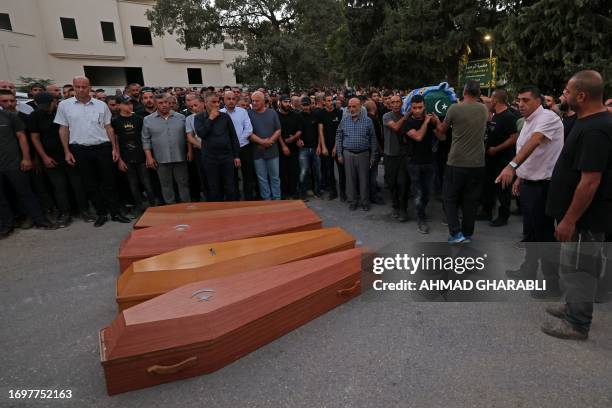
242	124
85	121
539	166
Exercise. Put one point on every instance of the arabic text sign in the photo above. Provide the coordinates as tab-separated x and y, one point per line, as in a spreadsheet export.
479	70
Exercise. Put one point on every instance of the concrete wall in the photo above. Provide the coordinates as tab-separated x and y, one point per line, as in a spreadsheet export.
36	46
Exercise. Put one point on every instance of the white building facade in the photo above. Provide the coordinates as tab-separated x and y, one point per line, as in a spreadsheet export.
107	40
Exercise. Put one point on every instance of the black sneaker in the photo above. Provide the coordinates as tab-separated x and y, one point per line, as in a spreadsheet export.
87	217
498	222
366	207
120	218
395	213
63	220
422	227
26	223
44	225
403	217
353	206
100	221
343	197
561	329
5	231
332	196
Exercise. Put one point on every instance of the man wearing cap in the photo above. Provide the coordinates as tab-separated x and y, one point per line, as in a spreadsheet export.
48	145
356	146
89	143
128	130
244	129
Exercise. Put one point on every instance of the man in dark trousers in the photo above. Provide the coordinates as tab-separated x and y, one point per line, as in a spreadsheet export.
291	131
220	150
500	149
580	200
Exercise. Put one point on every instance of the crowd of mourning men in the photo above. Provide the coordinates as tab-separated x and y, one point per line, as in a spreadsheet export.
71	149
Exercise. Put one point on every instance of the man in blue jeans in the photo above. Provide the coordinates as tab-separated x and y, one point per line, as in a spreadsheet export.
266	131
419	133
311	145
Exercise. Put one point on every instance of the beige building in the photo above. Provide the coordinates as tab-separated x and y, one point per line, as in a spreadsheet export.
107	40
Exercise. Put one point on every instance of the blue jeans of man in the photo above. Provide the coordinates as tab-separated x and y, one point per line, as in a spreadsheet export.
421	176
310	161
268	178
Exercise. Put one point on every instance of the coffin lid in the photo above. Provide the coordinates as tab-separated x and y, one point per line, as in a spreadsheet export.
159	274
180	318
149	219
163	238
213	206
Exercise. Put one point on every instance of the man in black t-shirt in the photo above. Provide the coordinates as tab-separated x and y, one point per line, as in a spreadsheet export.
48	145
329	119
128	128
500	149
289	164
419	132
311	147
580	200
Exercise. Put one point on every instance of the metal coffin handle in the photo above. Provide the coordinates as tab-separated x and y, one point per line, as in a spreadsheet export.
171	369
351	290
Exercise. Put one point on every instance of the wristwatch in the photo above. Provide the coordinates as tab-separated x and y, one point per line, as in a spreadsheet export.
513	164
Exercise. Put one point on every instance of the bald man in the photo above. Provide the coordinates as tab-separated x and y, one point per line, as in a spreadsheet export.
266	131
580	200
90	144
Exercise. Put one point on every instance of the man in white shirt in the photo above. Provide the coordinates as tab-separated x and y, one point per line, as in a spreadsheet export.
244	129
90	144
538	147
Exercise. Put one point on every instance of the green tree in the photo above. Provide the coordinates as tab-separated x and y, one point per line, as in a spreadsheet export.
544	42
285	39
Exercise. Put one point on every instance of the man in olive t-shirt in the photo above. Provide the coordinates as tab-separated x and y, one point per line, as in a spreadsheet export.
466	160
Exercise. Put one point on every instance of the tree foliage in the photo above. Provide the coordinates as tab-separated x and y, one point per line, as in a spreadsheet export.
396	43
25	83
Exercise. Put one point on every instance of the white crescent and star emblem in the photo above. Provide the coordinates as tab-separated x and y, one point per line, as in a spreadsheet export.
444	106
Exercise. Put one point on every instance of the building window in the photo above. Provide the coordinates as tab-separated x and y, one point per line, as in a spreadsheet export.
69	28
108	31
194	76
5	22
141	35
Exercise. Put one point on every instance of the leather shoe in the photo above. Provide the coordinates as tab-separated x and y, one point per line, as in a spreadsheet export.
353	207
120	218
5	231
366	207
561	329
44	224
100	221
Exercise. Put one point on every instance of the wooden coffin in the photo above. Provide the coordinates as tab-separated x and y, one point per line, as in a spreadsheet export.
203	326
153	218
151	277
214	206
146	242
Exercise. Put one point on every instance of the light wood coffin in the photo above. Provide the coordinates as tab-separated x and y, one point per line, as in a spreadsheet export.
203	326
214	206
151	277
153	218
146	242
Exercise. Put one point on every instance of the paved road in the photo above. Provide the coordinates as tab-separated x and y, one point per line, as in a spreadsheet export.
57	291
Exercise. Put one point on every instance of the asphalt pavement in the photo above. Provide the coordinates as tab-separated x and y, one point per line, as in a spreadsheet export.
57	292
